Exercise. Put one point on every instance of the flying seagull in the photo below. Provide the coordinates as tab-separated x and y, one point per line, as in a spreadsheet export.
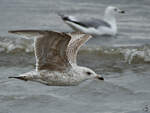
55	55
107	26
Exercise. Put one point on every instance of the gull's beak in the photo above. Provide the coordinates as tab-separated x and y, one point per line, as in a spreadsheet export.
121	11
99	77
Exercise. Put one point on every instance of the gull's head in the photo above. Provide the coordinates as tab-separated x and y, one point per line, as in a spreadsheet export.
113	10
87	73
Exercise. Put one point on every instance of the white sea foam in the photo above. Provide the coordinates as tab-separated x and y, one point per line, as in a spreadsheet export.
129	54
10	45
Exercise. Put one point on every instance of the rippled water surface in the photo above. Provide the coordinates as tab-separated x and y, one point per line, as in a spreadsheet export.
123	60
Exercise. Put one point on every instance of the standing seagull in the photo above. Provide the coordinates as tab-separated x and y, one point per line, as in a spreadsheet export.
107	26
56	58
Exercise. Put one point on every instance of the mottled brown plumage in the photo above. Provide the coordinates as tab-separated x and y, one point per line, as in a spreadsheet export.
55	51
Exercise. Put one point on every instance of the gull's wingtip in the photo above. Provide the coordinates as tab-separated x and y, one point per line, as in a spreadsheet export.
15	31
64	17
11	31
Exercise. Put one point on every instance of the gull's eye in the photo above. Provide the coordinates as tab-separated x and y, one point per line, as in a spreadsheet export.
88	73
115	9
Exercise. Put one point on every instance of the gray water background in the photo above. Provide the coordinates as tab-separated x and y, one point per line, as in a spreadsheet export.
126	88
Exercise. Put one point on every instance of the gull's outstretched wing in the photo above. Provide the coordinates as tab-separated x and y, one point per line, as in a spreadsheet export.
92	23
77	40
95	23
50	49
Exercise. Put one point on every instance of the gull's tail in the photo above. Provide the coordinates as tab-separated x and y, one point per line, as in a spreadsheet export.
19	77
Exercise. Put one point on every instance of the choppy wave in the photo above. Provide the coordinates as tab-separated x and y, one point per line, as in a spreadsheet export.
140	54
136	54
15	45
